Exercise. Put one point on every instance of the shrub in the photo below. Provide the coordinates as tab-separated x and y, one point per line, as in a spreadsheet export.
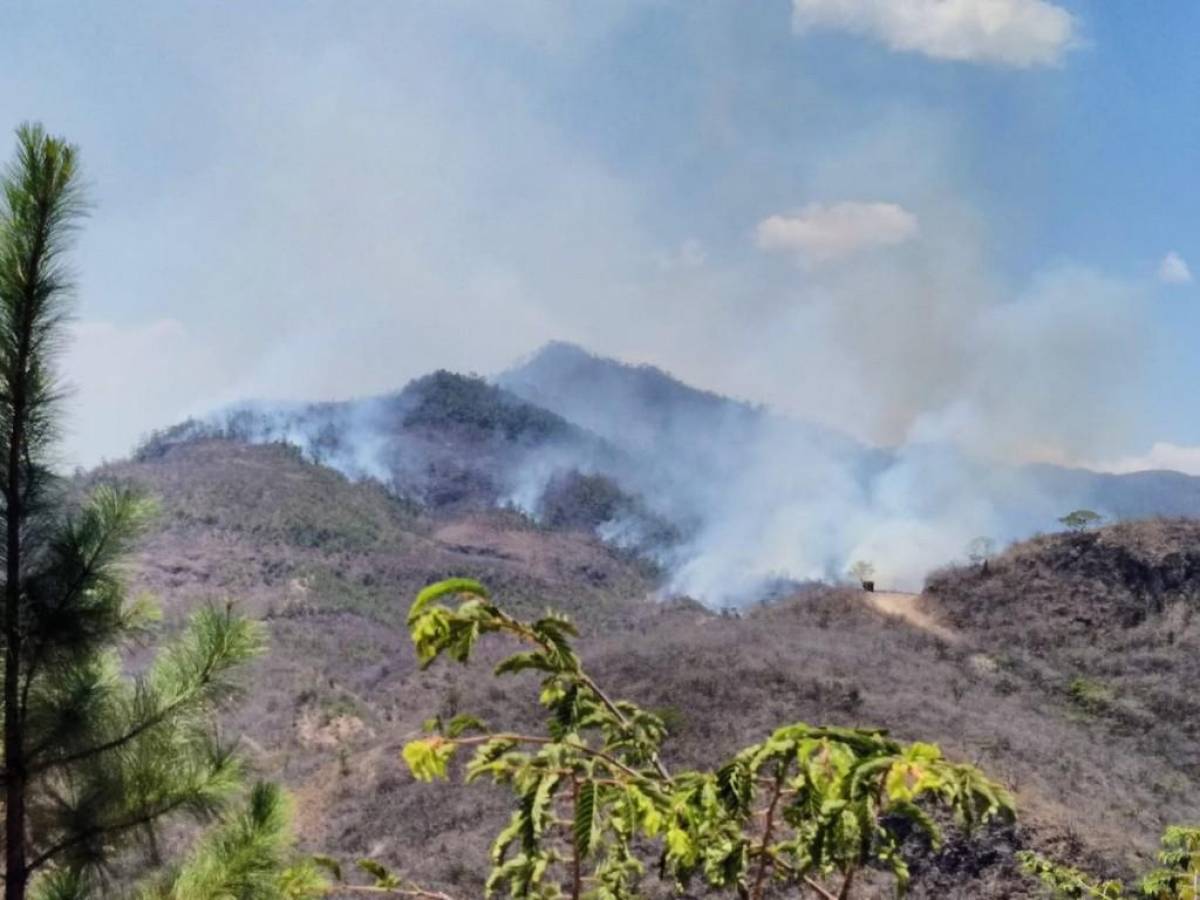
808	808
1177	876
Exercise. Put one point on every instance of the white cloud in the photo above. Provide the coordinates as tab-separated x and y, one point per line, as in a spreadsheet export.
1163	455
1020	33
1174	270
825	232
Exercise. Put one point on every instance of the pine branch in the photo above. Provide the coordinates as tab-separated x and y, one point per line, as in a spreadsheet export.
118	517
227	652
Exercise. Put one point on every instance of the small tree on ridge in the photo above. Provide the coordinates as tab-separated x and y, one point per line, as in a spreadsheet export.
1080	520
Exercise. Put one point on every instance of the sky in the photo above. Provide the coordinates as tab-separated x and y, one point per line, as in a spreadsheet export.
909	220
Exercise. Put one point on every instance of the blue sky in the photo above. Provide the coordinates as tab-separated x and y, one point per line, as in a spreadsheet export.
908	219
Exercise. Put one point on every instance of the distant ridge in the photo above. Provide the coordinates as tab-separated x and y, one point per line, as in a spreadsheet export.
641	404
588	389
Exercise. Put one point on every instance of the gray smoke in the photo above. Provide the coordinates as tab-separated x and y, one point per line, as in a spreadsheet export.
909	386
961	390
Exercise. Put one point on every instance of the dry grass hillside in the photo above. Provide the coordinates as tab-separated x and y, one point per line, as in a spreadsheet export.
1067	677
1104	626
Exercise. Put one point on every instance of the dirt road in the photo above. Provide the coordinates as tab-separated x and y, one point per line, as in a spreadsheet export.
909	608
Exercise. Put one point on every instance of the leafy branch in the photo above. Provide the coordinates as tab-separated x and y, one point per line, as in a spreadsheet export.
807	808
1177	876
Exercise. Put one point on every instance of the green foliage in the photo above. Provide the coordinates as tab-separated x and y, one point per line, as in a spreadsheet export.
92	758
246	857
807	808
445	398
1177	876
41	200
428	759
1080	520
844	795
114	755
1066	883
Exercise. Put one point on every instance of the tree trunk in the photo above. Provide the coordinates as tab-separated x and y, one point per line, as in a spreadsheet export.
16	870
16	874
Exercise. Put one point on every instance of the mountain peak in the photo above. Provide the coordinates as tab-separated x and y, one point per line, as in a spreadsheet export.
605	394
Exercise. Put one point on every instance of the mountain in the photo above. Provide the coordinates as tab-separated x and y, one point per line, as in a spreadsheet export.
1063	671
636	405
765	494
444	441
644	407
592	487
728	499
1132	495
646	411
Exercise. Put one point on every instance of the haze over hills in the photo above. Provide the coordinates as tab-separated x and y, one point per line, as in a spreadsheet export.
727	497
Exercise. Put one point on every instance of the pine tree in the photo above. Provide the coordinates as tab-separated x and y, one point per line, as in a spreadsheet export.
92	758
248	855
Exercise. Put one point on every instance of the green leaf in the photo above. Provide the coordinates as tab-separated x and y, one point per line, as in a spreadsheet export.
383	878
330	865
441	589
463	723
521	662
430	633
733	786
547	786
429	758
679	846
585	819
508	835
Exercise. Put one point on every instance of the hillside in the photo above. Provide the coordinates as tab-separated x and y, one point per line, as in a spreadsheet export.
727	499
1107	624
296	538
1062	679
445	440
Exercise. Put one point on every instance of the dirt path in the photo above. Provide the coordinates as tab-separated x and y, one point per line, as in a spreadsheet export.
908	607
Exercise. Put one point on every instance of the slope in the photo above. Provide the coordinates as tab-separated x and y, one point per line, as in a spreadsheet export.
1067	681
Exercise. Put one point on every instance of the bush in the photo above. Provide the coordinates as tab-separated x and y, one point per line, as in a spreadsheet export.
808	808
